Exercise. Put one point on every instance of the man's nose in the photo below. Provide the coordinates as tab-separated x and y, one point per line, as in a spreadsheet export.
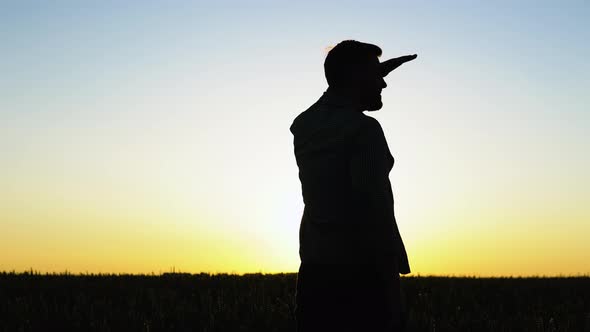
383	84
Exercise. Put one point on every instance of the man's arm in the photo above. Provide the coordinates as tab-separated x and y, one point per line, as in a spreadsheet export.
369	173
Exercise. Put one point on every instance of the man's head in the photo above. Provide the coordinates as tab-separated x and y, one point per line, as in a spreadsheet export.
353	67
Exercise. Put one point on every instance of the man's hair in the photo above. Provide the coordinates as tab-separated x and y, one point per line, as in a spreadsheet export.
346	60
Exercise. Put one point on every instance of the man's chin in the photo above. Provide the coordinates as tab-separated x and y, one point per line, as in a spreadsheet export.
375	106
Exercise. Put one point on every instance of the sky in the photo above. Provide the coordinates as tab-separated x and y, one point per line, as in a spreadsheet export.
145	136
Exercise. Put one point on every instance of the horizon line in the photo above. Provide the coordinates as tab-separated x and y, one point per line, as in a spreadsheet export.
178	272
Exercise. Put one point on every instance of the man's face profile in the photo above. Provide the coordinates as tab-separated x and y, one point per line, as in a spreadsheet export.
353	70
371	83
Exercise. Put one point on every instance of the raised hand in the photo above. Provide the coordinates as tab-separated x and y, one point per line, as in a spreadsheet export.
388	66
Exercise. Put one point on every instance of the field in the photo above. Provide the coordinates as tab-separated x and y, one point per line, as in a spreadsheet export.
264	302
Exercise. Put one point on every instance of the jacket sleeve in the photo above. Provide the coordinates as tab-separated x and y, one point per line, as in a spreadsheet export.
369	173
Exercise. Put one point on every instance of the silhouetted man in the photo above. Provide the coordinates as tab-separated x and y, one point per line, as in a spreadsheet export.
350	247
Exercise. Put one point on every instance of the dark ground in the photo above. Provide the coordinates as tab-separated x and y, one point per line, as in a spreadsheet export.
259	302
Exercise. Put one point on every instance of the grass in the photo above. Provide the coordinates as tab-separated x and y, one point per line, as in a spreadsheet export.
32	301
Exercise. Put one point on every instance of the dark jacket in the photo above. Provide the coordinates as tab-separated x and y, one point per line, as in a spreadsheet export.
344	164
